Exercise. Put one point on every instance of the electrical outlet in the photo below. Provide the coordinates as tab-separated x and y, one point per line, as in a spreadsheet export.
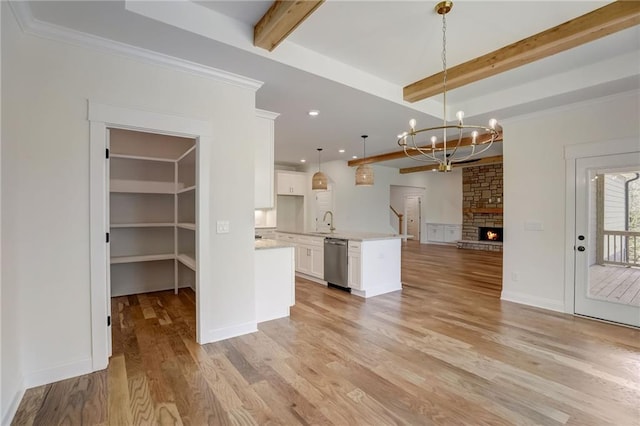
222	227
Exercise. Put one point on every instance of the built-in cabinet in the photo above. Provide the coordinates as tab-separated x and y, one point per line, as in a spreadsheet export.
152	221
309	253
443	233
264	159
291	183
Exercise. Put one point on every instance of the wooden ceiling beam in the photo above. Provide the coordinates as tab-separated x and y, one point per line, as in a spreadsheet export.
601	22
429	167
397	155
280	20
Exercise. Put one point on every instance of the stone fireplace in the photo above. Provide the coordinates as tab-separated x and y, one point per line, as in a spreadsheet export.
482	207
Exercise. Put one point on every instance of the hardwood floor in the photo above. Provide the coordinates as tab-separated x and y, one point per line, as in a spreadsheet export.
444	350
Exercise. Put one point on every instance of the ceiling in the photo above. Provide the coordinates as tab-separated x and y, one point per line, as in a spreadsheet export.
351	59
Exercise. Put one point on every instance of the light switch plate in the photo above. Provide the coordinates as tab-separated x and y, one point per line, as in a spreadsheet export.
222	227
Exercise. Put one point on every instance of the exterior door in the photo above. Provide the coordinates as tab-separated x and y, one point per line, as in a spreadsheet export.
607	245
412	215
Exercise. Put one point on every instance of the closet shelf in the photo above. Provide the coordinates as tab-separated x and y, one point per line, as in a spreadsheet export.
141	258
142	157
191	226
143	225
190	188
187	260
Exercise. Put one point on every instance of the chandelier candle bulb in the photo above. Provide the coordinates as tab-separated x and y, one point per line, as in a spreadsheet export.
452	150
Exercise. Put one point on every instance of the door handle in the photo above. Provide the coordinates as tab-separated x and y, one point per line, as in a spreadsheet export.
581	248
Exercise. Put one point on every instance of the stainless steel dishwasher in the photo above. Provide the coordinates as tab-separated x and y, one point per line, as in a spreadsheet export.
335	263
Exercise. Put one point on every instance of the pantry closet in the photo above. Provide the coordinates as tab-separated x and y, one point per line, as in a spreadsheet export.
152	212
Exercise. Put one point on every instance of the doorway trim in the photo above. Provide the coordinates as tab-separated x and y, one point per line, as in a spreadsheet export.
101	117
406	216
571	154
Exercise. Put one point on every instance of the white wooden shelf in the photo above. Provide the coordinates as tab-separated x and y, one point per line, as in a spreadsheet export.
141	187
142	157
190	188
188	261
143	225
141	258
190	226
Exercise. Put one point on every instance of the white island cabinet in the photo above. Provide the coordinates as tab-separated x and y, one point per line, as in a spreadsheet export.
373	260
374	267
274	279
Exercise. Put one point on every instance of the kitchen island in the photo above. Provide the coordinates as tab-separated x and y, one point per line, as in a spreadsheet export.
274	263
373	259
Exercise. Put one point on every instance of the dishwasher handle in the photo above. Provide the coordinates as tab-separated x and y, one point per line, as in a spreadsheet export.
335	241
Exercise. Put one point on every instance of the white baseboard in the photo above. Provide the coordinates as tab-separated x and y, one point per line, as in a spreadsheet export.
538	302
229	332
13	407
376	291
61	372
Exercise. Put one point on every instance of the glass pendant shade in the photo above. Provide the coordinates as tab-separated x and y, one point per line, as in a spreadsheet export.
364	175
319	180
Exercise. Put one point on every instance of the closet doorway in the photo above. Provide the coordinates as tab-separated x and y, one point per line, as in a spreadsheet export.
147	177
152	224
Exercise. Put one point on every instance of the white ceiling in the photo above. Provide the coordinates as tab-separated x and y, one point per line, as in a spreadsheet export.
350	60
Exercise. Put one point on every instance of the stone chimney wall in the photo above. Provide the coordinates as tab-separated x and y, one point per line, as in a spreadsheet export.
482	192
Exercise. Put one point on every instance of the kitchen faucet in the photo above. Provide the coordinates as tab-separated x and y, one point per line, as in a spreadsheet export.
331	227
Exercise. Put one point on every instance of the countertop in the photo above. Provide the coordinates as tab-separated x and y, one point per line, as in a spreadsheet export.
349	235
263	243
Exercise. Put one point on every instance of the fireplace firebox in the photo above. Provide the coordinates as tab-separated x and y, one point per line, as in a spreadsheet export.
487	233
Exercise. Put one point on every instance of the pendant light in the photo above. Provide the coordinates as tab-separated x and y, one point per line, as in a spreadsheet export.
319	181
364	172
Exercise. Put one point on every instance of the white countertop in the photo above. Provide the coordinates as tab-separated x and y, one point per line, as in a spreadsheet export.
263	243
350	235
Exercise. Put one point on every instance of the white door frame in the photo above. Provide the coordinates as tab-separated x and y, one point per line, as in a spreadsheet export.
406	217
101	117
571	154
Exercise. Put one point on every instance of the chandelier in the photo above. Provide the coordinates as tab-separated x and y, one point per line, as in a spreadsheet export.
470	141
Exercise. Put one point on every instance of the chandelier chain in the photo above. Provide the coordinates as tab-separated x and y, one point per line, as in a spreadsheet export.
444	78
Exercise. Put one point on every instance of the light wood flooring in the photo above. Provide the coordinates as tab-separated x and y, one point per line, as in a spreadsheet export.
444	350
616	284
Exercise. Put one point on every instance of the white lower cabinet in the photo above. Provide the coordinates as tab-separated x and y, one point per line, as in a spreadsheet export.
355	265
443	233
309	253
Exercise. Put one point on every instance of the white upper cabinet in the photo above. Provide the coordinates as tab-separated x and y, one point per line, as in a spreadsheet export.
264	140
292	183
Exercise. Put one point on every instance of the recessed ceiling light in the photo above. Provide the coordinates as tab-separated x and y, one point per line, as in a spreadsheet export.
341	151
314	112
303	161
354	157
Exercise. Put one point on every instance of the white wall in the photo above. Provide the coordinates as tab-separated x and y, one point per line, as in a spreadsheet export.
361	208
534	190
11	367
46	207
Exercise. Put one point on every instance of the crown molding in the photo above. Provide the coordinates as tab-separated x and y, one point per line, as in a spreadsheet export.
32	26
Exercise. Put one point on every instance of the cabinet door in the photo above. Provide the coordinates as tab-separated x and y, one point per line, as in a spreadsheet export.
317	261
355	271
452	233
298	182
283	184
435	232
303	259
264	163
